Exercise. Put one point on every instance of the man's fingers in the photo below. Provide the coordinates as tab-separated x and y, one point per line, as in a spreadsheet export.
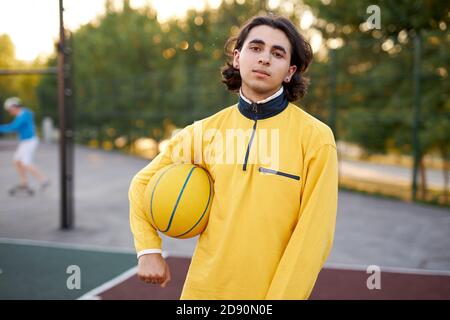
164	284
168	278
151	279
154	281
142	277
161	278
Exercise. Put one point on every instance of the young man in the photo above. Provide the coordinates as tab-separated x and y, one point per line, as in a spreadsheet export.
272	219
23	124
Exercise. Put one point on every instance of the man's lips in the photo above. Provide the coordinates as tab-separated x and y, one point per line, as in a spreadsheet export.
261	72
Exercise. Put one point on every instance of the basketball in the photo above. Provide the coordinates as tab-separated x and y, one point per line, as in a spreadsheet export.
179	199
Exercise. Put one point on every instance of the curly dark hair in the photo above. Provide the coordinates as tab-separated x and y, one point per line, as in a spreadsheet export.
301	55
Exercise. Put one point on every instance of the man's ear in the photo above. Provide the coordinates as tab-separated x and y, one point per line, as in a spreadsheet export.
291	72
236	55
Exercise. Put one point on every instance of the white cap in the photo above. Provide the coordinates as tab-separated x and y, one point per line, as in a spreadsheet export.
11	102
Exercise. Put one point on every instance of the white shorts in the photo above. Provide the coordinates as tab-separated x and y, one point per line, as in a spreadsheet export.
25	151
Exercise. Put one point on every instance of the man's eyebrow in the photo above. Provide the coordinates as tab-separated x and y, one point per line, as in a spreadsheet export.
259	41
277	47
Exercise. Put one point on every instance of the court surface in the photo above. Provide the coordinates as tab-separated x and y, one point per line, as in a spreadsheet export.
44	270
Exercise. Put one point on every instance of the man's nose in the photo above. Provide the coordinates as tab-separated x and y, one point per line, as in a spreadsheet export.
264	58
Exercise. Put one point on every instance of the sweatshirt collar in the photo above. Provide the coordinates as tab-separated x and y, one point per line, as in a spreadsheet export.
263	109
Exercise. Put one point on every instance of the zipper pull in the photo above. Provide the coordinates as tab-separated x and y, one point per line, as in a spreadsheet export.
254	107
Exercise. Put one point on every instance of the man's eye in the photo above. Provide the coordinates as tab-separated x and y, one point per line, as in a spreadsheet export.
255	48
278	55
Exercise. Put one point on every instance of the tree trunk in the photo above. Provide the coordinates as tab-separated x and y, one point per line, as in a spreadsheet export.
446	169
423	178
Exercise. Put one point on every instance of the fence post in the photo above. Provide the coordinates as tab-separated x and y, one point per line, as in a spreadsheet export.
65	94
416	112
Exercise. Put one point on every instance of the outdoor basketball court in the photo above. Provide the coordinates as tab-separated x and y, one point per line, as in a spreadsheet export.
44	270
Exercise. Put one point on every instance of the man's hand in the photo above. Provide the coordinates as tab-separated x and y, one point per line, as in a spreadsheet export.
152	268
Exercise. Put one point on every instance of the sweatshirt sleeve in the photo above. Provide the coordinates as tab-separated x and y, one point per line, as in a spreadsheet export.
12	126
312	237
179	150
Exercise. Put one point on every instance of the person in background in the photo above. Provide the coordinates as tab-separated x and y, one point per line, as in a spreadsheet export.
23	125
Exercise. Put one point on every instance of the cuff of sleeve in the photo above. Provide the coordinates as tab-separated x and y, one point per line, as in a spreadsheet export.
148	251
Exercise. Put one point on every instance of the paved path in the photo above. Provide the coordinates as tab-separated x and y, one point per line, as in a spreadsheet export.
369	230
388	173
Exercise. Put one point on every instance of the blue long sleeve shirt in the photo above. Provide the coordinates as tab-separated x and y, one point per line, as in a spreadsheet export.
23	124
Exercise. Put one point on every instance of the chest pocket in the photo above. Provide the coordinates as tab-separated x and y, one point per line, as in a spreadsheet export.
278	173
280	190
283	185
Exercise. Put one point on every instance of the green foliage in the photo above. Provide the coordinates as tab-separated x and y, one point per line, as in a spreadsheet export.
134	76
7	60
375	72
22	86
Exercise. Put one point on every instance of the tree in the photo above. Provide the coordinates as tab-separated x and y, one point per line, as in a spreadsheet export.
375	74
7	61
17	85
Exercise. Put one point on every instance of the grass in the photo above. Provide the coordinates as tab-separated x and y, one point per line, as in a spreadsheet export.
390	190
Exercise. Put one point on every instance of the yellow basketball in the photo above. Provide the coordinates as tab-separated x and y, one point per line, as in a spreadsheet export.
179	199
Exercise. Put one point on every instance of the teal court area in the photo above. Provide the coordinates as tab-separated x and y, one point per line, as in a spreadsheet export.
39	270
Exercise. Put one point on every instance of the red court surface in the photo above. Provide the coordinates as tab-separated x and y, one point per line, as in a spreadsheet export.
332	284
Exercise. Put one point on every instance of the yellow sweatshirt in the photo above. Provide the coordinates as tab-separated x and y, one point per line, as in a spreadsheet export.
272	219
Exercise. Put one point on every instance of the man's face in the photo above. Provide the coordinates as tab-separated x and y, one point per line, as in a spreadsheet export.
14	110
264	62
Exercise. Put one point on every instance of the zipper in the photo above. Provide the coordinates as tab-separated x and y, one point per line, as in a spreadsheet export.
284	174
255	110
244	167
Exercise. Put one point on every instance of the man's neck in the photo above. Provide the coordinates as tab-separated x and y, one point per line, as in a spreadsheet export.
260	99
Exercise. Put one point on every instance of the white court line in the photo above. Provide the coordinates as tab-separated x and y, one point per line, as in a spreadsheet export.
360	267
94	294
60	245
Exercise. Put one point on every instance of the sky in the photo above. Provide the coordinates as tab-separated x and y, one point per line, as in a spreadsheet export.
33	25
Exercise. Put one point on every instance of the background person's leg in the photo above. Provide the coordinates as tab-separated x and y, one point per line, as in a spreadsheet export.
27	162
37	173
22	172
